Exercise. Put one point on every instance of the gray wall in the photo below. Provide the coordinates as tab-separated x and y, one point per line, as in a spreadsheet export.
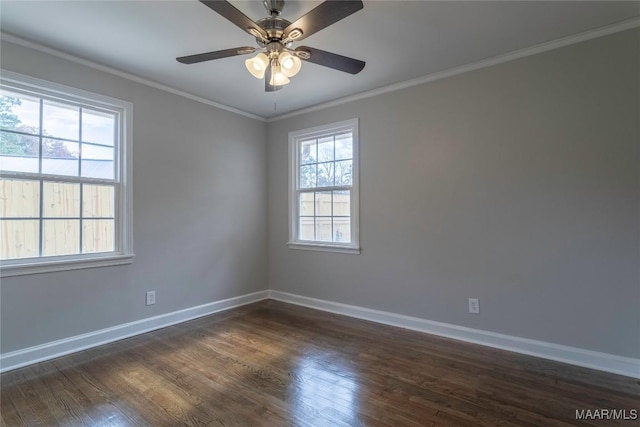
517	184
199	223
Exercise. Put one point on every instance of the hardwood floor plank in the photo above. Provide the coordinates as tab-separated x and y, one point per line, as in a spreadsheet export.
105	406
274	364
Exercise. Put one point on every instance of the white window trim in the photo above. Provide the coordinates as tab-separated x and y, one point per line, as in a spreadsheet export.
294	137
124	252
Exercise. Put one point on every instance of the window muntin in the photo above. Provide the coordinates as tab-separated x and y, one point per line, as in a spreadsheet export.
323	181
64	183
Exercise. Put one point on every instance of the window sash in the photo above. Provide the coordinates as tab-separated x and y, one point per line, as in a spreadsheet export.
318	213
81	218
82	105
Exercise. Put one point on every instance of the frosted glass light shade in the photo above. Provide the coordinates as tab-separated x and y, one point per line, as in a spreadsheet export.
290	64
257	65
278	78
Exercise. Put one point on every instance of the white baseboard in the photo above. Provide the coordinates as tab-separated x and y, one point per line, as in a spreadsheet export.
19	358
576	356
561	353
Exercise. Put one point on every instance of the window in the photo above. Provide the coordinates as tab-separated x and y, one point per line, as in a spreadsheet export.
64	179
323	181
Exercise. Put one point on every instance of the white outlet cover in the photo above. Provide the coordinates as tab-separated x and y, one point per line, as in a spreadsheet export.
474	305
151	297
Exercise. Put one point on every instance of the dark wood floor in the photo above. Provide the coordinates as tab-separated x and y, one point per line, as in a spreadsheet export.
274	364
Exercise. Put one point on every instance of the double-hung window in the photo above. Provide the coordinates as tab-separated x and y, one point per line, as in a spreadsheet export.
64	177
323	181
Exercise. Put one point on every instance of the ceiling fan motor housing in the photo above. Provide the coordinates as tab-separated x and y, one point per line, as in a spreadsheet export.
274	27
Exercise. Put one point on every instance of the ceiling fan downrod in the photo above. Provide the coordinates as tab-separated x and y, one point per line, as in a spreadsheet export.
274	7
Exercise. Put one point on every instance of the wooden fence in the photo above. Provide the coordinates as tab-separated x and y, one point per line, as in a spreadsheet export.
73	218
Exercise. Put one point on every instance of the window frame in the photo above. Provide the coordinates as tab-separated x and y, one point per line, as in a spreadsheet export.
123	242
295	138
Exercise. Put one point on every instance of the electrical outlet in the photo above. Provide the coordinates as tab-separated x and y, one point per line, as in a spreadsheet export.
151	297
474	305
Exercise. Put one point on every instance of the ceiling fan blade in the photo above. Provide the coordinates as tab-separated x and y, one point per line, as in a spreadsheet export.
331	60
201	57
267	78
226	10
325	14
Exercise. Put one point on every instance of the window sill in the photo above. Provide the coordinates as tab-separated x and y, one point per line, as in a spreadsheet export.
323	248
8	270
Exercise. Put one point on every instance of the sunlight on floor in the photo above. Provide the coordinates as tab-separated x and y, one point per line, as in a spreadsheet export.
325	389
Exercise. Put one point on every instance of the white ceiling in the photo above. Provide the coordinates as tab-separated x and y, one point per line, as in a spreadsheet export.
399	40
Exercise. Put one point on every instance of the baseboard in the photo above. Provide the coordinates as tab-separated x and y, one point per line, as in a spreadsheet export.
561	353
50	350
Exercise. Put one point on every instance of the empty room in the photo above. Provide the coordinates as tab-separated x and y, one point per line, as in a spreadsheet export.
319	213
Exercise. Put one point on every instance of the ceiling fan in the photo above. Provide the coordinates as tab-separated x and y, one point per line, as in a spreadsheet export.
276	61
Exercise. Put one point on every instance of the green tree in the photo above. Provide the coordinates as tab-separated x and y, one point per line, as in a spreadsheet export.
24	145
8	119
13	143
56	148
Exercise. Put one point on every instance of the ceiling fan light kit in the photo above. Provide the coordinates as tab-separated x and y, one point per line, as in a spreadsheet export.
276	61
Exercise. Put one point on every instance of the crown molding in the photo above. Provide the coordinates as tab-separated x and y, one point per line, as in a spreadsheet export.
54	52
521	53
517	54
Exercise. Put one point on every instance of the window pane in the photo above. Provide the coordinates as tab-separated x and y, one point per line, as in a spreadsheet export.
325	149
19	238
97	161
98	127
342	230
60	157
61	237
60	120
306	228
344	146
323	203
325	174
20	198
18	153
98	201
306	204
341	203
308	176
19	112
308	151
98	235
61	199
344	172
323	229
